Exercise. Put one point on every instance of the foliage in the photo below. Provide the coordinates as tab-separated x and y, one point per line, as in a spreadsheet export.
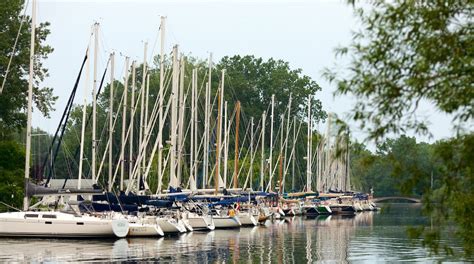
253	81
13	99
267	77
452	200
12	163
407	52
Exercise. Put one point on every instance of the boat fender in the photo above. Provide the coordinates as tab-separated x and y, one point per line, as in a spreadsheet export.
120	227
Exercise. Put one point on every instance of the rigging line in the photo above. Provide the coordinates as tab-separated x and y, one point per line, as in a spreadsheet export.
273	170
292	153
240	153
14	47
141	147
155	43
152	121
68	106
103	41
68	164
212	136
64	155
87	121
110	113
61	126
10	206
253	155
188	127
160	100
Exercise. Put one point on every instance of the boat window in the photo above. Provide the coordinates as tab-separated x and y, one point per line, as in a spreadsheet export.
79	223
31	215
49	216
48	222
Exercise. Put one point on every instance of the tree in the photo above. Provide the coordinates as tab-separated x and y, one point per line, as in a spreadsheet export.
253	81
407	52
264	77
12	162
13	99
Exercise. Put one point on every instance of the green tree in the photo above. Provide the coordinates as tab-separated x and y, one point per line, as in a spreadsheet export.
12	162
13	99
407	52
253	81
267	78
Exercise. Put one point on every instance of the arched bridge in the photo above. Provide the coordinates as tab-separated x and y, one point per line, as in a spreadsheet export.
383	199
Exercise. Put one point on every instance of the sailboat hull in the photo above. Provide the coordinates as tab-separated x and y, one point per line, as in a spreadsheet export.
200	223
247	219
55	224
222	222
170	226
148	230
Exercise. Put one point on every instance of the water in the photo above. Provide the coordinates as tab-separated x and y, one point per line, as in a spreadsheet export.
366	237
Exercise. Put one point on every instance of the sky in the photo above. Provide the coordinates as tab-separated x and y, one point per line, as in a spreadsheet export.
302	32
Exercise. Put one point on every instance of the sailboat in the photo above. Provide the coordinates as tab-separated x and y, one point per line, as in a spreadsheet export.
29	223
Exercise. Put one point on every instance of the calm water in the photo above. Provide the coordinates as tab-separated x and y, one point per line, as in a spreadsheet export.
366	237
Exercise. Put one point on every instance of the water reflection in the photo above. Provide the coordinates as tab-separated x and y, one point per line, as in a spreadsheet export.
366	236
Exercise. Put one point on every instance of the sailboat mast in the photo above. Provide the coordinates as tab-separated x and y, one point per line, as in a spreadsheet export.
29	110
219	130
293	158
192	174
132	123
142	117
236	157
94	103
251	152
226	143
206	125
262	160
196	123
174	118
83	125
285	170
111	118
280	169
270	171
161	99
124	121
181	119
309	155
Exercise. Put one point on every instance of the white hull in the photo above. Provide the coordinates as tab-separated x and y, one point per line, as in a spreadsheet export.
186	225
200	222
221	222
143	226
137	230
262	214
57	224
247	219
170	226
366	207
358	207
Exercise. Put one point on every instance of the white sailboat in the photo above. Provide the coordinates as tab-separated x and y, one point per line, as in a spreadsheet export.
226	219
144	226
170	225
58	224
53	224
199	222
246	218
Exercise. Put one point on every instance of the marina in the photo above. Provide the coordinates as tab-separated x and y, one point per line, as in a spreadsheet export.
180	155
365	237
119	198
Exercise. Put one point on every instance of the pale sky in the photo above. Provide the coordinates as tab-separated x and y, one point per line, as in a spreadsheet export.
303	32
